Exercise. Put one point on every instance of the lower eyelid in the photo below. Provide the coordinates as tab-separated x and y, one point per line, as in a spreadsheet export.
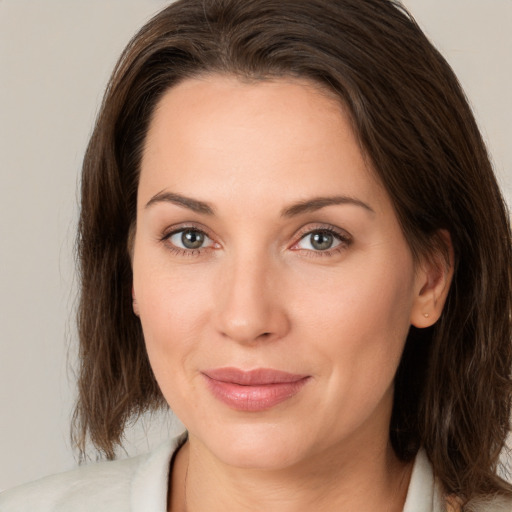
328	253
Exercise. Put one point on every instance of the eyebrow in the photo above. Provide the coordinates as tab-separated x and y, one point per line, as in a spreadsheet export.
179	200
307	206
317	203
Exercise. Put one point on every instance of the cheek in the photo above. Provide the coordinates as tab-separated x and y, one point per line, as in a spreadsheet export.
363	295
359	319
174	308
172	319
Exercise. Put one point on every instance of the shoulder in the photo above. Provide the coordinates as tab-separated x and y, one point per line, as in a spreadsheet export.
426	494
112	486
75	489
493	504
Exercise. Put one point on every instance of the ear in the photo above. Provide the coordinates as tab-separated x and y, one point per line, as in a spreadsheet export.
134	303
432	283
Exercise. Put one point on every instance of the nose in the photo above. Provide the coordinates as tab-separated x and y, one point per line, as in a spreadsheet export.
251	302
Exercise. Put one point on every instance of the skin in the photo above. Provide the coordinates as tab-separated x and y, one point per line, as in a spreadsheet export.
259	294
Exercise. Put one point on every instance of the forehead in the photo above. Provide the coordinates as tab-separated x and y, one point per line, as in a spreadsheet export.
277	138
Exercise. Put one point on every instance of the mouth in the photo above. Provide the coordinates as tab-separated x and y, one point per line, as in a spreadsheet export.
254	390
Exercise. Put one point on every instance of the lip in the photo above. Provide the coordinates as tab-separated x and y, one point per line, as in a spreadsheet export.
253	390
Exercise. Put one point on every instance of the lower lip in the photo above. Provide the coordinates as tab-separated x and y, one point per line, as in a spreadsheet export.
254	398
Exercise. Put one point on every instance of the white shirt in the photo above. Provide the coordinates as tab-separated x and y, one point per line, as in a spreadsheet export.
140	484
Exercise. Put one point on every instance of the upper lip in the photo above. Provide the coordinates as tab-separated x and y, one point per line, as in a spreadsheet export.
257	377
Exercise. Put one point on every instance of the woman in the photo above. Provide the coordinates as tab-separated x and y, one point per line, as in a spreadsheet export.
291	235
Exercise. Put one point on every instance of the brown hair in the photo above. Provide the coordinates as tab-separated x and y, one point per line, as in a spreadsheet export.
453	386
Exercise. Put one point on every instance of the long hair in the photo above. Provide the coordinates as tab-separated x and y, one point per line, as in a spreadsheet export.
413	122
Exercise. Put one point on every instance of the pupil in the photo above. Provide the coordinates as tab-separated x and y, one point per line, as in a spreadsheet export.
322	241
192	239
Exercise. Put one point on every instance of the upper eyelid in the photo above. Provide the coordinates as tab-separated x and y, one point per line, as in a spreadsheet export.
308	229
181	230
177	228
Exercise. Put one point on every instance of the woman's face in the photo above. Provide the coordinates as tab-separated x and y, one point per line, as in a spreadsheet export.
272	279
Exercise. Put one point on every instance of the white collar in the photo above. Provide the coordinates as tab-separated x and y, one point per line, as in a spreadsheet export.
424	494
151	481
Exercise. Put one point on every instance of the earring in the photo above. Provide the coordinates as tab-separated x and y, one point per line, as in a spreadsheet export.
426	315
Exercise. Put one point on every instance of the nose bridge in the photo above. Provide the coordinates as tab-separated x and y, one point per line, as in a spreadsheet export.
249	307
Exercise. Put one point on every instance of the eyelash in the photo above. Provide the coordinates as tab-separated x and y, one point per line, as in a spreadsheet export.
185	252
344	241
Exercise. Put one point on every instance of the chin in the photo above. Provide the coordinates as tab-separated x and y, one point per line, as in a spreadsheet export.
255	446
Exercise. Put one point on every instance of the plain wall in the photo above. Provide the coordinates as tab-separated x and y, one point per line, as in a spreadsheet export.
55	59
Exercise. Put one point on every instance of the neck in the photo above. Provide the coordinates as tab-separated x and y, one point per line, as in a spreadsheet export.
336	481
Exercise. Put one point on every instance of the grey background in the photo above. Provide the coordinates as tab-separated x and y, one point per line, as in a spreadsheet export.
55	59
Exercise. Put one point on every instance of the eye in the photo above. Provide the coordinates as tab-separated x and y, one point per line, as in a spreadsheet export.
319	241
322	240
190	239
